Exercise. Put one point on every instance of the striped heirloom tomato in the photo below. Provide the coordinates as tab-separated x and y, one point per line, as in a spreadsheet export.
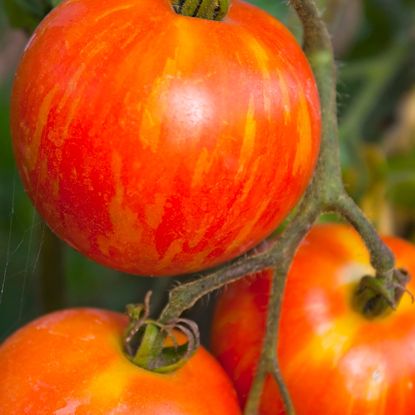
334	360
71	362
157	143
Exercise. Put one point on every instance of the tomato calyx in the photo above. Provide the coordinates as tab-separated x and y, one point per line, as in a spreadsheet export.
142	332
204	9
377	297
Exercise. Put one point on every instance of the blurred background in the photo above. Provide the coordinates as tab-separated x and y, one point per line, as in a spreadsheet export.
374	43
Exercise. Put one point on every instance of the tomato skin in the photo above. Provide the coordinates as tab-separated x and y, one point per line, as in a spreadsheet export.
334	361
72	362
160	144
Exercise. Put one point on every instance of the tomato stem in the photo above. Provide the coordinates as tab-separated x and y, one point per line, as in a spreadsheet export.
381	256
144	356
204	9
295	231
376	298
141	343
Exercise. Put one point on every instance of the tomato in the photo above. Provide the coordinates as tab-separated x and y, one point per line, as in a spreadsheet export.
334	361
72	362
160	144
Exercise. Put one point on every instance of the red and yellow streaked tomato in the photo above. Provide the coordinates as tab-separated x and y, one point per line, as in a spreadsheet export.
71	362
161	144
334	361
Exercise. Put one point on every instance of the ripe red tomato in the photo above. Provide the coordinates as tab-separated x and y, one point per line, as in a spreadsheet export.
334	361
161	144
72	362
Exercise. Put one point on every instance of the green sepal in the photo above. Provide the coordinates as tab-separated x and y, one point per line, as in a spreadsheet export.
203	9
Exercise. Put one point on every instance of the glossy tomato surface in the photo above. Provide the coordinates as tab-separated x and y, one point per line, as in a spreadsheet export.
334	361
160	144
71	362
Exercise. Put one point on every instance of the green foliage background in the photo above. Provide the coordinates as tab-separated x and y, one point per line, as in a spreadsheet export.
374	42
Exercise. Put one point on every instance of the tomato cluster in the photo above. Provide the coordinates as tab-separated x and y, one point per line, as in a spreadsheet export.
160	144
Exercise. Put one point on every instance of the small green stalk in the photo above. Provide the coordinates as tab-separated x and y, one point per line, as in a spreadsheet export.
203	9
146	354
144	340
372	297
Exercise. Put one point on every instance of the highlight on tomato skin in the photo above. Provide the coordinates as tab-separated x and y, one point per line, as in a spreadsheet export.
159	144
334	360
71	361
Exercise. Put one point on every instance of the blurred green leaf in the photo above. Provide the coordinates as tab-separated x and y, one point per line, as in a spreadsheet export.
402	191
277	8
401	180
27	14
